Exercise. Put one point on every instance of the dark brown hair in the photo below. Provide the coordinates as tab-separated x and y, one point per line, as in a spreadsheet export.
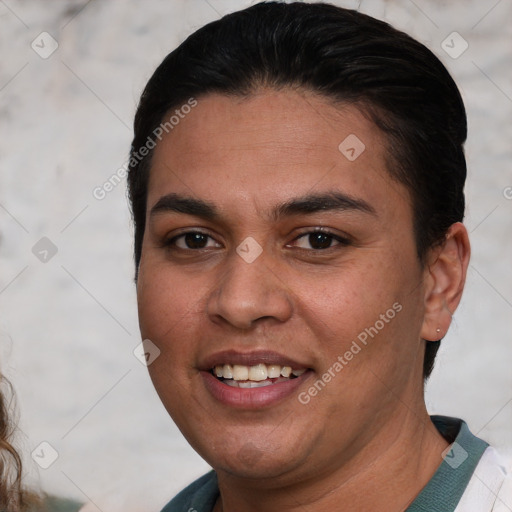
13	496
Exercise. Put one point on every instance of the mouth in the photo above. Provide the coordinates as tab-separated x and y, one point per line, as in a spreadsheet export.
256	376
252	380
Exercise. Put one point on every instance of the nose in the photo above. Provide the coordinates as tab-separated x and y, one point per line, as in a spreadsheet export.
247	293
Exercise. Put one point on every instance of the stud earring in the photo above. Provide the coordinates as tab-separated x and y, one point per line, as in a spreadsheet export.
438	330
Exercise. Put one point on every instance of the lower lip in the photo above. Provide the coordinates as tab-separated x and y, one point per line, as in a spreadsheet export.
251	398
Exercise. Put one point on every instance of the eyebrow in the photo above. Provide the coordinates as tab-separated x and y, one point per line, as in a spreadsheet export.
304	205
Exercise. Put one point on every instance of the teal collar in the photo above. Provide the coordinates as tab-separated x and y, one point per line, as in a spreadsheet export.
442	492
446	487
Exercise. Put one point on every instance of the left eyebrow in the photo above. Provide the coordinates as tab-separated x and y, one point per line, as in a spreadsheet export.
304	205
313	203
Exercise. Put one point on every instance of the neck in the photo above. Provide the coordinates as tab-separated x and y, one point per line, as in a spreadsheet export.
387	475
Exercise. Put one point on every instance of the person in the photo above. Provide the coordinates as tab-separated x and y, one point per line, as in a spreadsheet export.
15	496
296	181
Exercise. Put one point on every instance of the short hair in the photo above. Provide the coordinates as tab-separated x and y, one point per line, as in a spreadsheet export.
346	57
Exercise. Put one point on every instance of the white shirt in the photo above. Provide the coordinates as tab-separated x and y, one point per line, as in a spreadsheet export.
490	487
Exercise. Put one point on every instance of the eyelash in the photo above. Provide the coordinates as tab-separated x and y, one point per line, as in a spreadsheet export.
342	241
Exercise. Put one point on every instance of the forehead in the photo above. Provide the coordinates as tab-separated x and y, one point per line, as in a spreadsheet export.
261	147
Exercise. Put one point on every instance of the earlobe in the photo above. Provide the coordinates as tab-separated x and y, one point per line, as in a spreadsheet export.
445	277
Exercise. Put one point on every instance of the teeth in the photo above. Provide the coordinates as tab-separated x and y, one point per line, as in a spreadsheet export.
249	384
257	373
227	371
273	371
286	371
240	372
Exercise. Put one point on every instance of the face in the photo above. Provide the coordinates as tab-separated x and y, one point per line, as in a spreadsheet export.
272	245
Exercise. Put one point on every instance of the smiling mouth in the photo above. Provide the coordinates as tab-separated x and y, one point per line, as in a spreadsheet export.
257	376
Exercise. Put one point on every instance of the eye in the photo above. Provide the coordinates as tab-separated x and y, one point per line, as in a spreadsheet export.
191	240
320	239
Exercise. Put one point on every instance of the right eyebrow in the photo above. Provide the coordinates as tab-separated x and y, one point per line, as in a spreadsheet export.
187	205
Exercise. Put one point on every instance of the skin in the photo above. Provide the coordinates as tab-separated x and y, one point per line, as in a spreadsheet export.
370	422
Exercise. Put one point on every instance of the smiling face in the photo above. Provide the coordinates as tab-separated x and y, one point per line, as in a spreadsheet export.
234	271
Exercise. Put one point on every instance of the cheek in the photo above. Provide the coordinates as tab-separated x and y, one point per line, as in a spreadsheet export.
166	308
370	315
166	317
349	299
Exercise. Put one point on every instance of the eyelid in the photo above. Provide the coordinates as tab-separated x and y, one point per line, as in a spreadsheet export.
170	242
343	240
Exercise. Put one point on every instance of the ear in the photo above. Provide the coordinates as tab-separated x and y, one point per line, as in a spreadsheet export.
445	276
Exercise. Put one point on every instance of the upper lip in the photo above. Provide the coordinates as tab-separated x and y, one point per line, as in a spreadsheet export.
248	359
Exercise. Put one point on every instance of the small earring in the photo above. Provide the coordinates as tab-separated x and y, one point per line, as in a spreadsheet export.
438	330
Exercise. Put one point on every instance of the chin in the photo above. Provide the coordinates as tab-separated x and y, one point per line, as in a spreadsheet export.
249	452
252	463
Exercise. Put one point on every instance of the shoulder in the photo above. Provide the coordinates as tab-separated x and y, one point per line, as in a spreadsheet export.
57	504
504	501
199	496
490	488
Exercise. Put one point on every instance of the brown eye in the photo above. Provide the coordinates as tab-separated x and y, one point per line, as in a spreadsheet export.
192	240
320	240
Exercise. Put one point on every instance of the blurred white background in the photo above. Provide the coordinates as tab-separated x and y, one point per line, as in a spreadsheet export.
68	326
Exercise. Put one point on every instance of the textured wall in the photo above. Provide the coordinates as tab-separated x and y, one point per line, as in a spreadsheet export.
68	323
